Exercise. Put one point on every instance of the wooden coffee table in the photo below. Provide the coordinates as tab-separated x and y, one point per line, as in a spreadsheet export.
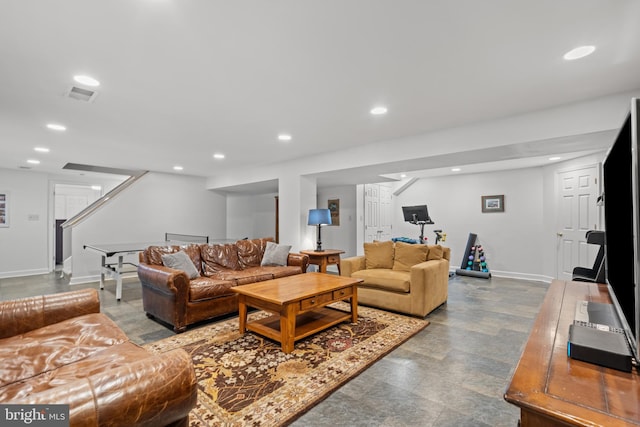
298	303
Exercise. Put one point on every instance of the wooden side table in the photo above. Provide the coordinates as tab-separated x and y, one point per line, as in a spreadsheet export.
324	258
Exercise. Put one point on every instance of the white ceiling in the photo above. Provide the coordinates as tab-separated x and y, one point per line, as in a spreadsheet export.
184	79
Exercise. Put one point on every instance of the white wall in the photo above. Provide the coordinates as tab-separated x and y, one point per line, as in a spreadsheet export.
512	240
342	236
155	204
252	216
23	245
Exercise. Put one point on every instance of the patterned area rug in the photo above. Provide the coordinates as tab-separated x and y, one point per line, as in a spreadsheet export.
247	380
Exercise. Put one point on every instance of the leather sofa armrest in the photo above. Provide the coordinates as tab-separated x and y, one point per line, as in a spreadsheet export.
26	314
350	265
153	391
298	260
164	279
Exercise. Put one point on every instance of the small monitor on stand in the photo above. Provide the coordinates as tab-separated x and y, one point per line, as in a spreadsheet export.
418	215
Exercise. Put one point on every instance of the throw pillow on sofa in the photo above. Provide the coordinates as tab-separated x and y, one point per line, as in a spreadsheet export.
435	252
275	254
407	255
181	261
378	254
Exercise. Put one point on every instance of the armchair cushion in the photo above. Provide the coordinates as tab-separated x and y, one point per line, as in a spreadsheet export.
54	346
379	254
407	255
383	278
181	261
435	252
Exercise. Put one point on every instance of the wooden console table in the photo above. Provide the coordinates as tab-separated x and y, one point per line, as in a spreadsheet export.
553	390
324	258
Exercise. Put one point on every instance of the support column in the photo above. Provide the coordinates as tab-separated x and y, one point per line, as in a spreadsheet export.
297	194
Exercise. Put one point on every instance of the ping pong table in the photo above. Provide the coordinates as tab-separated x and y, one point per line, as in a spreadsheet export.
114	269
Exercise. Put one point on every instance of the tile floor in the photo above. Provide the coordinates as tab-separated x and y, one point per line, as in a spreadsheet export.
453	373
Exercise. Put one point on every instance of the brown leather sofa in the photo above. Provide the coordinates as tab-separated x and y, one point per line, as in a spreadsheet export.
59	349
171	296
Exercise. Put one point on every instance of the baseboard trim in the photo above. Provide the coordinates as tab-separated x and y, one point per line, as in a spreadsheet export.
22	273
521	276
84	279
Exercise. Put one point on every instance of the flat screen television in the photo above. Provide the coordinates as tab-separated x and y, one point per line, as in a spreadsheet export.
622	222
415	214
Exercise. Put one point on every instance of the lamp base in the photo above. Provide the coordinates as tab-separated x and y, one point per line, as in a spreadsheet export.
319	241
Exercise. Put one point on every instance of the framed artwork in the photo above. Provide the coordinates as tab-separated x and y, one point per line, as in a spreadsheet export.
493	203
4	210
334	208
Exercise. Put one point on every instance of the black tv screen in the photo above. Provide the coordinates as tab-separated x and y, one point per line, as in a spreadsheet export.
621	207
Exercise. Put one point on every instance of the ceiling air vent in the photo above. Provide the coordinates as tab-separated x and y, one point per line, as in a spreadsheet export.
82	94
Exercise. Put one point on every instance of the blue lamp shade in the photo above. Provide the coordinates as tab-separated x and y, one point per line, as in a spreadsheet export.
319	217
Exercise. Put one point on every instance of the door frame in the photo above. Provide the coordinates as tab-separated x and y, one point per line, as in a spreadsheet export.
558	204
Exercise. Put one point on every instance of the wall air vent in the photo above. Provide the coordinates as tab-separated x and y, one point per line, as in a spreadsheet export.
82	94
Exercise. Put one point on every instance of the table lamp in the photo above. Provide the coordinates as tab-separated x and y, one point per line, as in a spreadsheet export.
319	217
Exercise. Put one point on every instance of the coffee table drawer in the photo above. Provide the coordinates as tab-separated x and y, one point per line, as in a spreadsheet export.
342	293
316	301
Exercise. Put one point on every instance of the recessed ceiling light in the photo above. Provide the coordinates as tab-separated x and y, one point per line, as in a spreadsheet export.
33	161
178	168
41	149
403	175
218	156
377	111
96	187
86	80
553	159
284	137
56	126
455	169
579	52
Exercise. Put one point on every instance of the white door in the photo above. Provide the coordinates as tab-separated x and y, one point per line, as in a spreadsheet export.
577	213
377	212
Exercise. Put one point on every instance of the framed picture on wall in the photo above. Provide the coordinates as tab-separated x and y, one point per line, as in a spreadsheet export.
493	203
334	208
4	209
